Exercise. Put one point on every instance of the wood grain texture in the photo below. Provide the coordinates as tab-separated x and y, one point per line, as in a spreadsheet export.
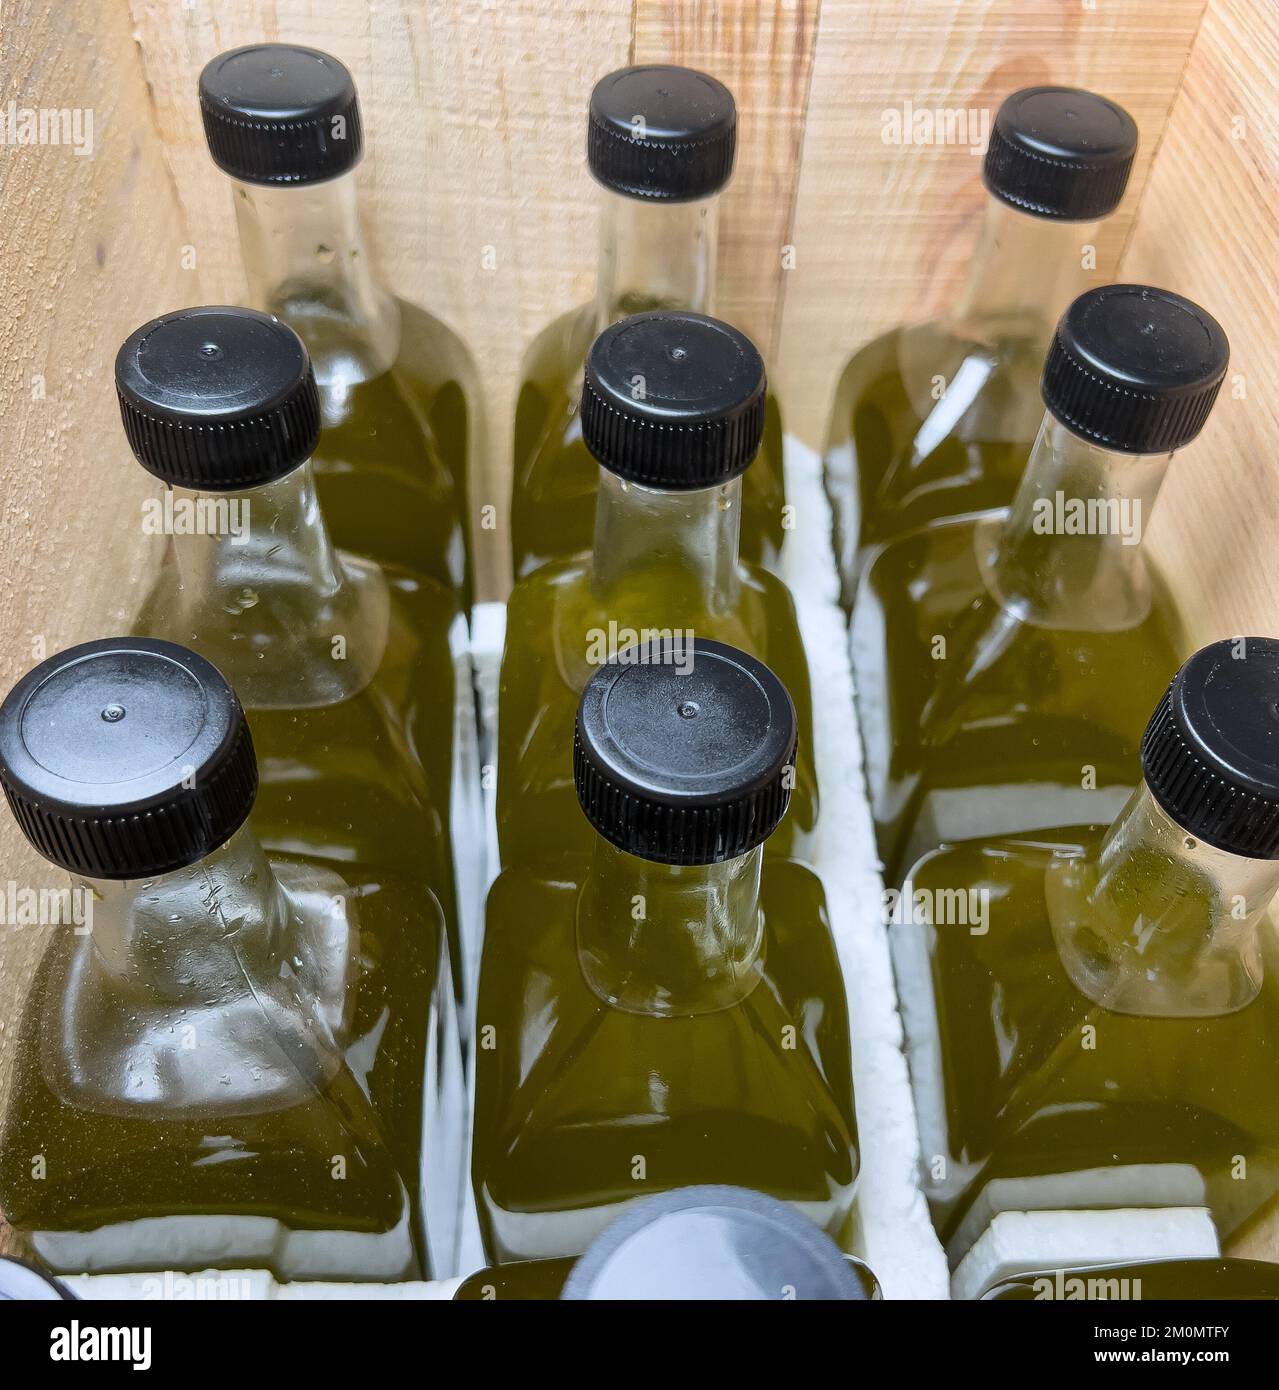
1209	228
882	232
764	54
91	245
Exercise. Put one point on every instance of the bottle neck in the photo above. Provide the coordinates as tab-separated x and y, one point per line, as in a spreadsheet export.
306	261
253	581
1157	922
670	940
655	256
678	544
182	936
1024	272
1070	554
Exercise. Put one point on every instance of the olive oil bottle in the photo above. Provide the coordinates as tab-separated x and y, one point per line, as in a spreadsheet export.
660	140
1109	1035
671	458
694	1244
935	419
403	423
1005	663
359	711
1151	1281
668	1011
210	1072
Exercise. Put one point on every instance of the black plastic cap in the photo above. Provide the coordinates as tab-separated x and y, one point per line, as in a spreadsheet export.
280	113
1135	369
1060	152
714	1244
664	133
684	752
218	399
673	400
125	758
21	1282
1211	750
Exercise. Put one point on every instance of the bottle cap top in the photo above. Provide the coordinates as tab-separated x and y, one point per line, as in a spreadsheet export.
125	758
20	1281
1211	750
664	133
1060	152
722	1244
684	751
280	113
673	401
218	399
1135	369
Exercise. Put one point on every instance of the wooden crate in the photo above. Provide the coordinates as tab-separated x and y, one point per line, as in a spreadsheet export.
480	207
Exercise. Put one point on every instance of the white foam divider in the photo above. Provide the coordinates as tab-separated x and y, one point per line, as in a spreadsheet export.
1019	1242
238	1285
891	1228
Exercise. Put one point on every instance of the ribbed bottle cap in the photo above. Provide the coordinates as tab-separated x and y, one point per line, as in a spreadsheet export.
715	1244
684	752
125	758
280	113
1060	152
1211	750
662	132
218	399
22	1282
1135	369
673	400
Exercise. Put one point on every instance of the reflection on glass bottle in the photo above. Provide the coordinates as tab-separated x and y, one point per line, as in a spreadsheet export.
1108	1035
717	1244
1005	664
359	714
399	392
660	141
196	1083
662	1013
935	419
671	463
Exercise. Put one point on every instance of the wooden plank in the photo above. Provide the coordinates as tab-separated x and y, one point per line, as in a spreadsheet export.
1209	228
93	245
764	54
883	231
475	192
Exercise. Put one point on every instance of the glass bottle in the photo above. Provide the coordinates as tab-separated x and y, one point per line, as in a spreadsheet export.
672	409
1005	664
935	419
360	714
1105	1032
398	389
669	1010
693	1244
354	678
660	142
195	1084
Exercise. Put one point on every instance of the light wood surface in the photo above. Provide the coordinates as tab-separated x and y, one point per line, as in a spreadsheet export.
480	208
1209	228
89	245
